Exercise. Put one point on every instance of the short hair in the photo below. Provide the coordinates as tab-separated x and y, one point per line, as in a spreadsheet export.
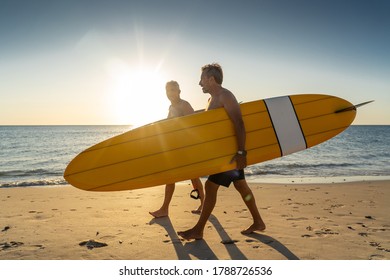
173	83
214	70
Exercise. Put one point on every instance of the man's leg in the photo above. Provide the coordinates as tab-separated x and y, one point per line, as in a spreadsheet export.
163	211
198	186
247	195
196	232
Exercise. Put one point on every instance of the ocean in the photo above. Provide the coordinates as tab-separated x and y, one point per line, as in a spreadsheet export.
37	156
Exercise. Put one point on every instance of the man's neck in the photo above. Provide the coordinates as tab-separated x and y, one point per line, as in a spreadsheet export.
216	90
176	102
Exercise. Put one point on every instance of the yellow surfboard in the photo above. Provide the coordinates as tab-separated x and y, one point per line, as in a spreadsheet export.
201	144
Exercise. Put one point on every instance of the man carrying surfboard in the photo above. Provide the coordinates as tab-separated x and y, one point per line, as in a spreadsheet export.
178	108
211	82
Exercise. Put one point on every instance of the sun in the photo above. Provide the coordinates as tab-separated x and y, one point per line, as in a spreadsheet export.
137	96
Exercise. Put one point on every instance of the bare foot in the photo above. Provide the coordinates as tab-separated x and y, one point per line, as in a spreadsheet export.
190	234
253	228
159	213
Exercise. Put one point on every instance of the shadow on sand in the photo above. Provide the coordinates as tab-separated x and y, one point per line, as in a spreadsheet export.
201	250
275	244
183	252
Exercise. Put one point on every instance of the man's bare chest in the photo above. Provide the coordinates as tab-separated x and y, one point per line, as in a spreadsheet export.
214	103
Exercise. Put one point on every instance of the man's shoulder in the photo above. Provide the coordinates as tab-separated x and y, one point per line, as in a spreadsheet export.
185	107
182	101
224	92
227	95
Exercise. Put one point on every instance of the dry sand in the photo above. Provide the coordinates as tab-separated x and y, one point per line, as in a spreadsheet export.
343	221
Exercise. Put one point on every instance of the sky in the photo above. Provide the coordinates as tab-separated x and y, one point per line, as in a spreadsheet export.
107	62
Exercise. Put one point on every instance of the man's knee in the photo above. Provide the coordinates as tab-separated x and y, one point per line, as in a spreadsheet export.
211	186
241	184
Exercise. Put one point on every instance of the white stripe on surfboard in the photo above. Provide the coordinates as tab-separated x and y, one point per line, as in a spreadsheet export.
286	125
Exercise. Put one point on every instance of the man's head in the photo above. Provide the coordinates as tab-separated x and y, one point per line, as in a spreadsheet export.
211	73
214	70
172	89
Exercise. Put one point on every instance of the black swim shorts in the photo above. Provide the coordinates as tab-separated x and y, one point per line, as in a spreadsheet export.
226	178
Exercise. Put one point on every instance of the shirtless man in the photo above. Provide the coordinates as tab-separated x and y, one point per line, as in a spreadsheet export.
178	108
211	82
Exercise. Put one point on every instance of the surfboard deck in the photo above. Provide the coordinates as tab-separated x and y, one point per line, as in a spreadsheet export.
201	144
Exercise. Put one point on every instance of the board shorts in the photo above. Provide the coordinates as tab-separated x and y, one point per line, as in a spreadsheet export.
227	177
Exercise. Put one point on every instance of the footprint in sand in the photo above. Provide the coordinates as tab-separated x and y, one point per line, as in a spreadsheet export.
337	206
91	244
379	246
361	224
6	228
39	246
12	244
376	257
325	231
229	241
375	244
297	219
256	246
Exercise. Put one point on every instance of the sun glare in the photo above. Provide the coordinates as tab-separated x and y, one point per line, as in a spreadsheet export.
137	96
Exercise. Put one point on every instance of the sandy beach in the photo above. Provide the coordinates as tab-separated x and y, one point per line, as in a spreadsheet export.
338	221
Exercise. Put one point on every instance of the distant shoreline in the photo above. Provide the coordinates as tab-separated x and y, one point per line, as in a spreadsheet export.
257	180
316	180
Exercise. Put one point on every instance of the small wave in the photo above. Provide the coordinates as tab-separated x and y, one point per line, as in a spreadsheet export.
52	182
320	165
27	173
286	169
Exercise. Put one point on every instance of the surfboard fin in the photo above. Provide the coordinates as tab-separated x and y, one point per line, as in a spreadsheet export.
353	107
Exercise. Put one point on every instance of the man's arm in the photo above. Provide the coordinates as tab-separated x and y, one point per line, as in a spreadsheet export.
234	112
